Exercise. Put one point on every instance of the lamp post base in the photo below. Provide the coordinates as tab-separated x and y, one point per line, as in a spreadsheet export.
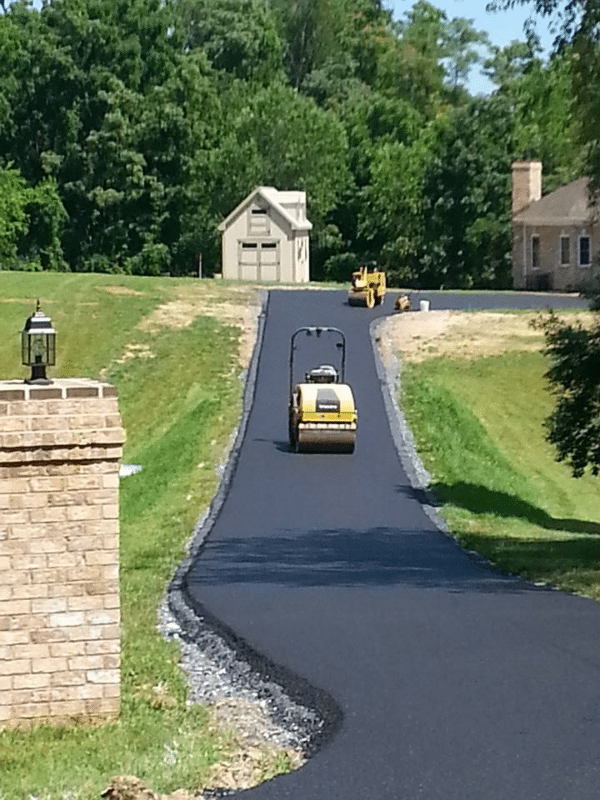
38	375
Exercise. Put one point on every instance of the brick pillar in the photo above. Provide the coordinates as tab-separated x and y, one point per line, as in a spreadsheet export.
60	447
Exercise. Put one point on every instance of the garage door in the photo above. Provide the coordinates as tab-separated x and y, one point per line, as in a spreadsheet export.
259	261
249	261
269	261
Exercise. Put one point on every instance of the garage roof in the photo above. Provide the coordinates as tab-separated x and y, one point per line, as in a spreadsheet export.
291	206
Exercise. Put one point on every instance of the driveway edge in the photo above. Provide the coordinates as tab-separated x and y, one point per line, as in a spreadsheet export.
419	478
308	716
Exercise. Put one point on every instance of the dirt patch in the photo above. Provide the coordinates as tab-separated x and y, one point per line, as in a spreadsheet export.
21	300
120	290
135	351
416	336
239	307
254	758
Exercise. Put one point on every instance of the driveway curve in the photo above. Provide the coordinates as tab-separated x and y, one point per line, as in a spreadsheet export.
439	678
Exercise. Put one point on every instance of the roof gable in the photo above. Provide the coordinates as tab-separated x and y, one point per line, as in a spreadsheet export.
291	206
567	205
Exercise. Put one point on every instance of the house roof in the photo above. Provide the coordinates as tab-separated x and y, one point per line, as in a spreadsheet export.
568	205
291	206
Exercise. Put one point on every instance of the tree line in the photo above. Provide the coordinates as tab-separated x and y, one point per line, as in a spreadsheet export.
129	130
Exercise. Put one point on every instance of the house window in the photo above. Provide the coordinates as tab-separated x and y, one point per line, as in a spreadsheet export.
584	251
565	251
259	221
535	252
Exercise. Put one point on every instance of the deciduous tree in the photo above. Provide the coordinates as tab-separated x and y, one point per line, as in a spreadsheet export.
14	197
574	376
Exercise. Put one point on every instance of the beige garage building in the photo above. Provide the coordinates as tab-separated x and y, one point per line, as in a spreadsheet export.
266	238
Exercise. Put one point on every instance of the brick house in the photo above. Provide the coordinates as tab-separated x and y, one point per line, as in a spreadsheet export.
266	238
555	238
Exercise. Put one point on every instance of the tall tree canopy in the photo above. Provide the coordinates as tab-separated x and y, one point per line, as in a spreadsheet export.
129	130
577	26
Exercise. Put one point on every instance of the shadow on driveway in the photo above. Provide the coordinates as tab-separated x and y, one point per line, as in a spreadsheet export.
375	557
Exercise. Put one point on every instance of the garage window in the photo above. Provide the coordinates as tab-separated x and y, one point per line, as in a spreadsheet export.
259	221
249	252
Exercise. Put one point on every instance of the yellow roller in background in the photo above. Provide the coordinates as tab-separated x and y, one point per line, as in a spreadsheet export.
368	286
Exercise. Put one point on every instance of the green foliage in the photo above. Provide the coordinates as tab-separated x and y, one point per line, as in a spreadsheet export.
465	240
47	221
574	375
326	37
577	23
31	223
586	69
141	126
507	65
593	295
421	71
237	37
461	53
14	197
392	203
340	267
281	138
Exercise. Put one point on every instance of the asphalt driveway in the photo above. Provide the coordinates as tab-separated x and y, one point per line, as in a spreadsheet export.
438	677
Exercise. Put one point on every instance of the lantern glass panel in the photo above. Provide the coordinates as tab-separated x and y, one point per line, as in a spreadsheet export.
51	349
38	348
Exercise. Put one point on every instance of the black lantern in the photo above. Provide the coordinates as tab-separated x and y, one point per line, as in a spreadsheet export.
38	346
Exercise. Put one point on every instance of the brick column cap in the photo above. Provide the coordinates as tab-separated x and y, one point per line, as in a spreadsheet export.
59	389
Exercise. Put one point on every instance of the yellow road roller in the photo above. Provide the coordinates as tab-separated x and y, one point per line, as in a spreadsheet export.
322	411
368	287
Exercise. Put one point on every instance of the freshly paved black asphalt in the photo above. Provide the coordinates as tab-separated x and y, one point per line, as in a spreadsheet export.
450	680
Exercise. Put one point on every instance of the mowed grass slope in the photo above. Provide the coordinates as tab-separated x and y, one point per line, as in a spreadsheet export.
478	424
177	371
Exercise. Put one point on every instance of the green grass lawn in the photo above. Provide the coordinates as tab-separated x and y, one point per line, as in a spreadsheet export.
180	400
478	425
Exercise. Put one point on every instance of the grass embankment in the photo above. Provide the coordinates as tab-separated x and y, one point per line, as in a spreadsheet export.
177	371
478	425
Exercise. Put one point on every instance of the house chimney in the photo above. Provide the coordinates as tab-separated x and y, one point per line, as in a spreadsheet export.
526	184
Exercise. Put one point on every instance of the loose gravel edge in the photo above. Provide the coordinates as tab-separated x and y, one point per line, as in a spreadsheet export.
217	662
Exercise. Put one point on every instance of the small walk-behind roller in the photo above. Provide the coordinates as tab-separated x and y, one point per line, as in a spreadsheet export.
322	412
